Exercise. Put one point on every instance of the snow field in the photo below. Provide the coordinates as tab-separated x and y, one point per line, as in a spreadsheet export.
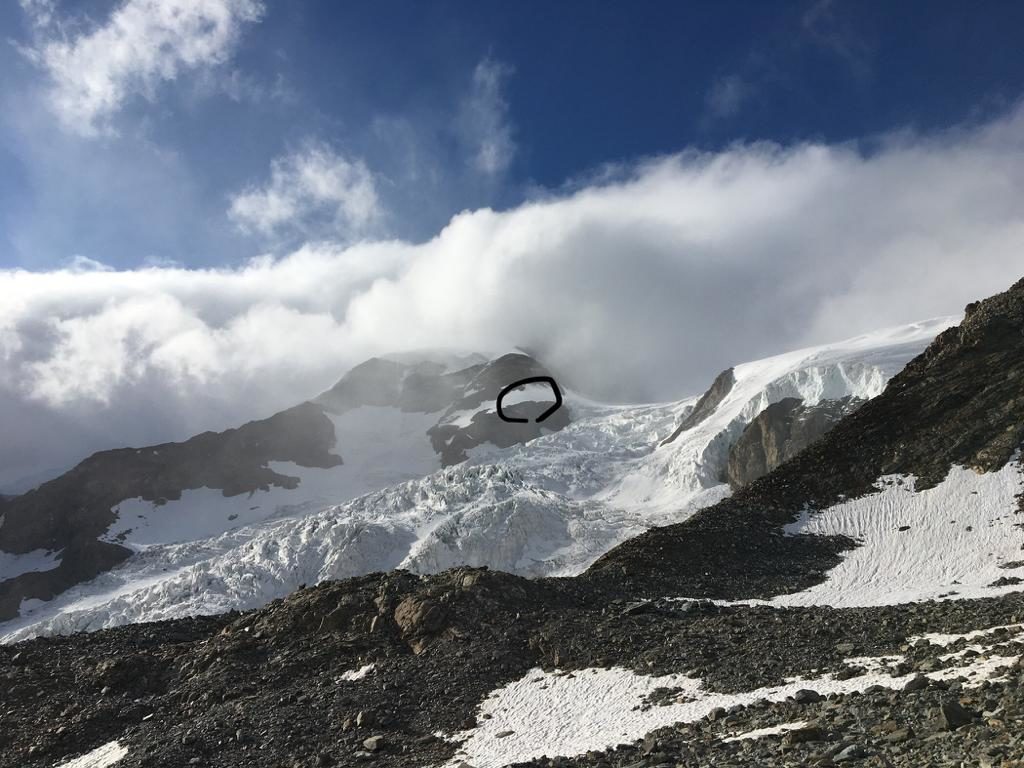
379	446
941	542
567	714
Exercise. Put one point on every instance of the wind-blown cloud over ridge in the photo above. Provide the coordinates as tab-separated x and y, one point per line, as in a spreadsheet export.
639	287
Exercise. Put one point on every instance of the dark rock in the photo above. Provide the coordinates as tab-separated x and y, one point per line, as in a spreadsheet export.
955	715
916	683
708	402
900	735
451	440
850	753
1007	581
807	696
418	619
365	719
804	735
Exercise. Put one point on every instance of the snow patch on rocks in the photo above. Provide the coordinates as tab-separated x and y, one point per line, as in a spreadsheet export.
567	714
358	674
937	543
12	565
101	757
775	730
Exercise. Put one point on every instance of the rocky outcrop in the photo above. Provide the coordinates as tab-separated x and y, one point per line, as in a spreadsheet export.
779	433
709	401
435	648
453	435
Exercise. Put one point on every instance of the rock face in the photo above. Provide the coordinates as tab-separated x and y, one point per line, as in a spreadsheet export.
464	399
710	400
454	434
779	433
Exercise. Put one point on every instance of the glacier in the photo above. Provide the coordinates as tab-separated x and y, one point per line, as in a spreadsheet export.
549	507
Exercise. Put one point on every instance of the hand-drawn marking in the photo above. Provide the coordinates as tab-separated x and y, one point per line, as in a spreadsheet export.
531	380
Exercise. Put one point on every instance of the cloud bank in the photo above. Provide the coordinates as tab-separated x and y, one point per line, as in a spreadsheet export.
143	43
640	286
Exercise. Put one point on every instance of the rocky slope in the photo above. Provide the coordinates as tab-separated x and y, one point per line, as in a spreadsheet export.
70	514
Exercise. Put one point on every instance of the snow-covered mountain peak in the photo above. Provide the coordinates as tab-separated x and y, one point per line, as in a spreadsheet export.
691	462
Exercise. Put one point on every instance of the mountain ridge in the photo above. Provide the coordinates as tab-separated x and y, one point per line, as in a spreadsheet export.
71	514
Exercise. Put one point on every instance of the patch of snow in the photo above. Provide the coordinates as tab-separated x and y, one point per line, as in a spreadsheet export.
552	713
101	757
874	663
938	638
12	565
461	419
760	733
955	535
358	674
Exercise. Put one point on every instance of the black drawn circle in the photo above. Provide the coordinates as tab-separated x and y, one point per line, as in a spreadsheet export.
531	380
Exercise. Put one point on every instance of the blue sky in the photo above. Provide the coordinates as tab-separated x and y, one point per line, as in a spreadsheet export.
210	209
571	87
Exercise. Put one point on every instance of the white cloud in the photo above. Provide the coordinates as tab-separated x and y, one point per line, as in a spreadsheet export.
641	286
80	263
726	95
483	120
141	44
41	13
305	189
